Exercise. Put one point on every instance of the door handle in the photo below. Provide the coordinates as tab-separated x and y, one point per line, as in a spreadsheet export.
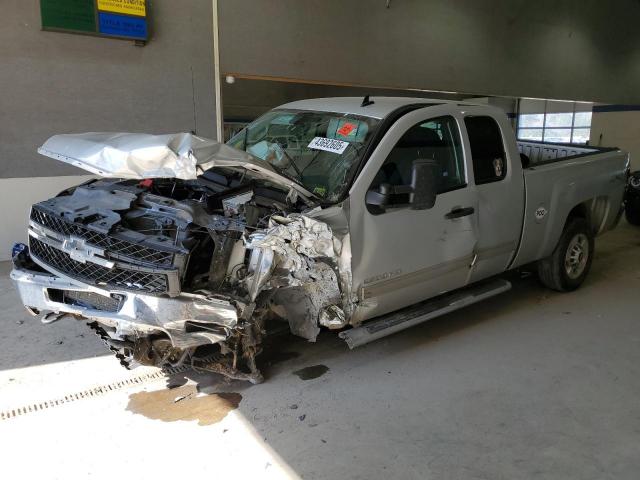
459	212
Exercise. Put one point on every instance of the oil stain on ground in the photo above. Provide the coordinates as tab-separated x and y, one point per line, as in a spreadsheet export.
311	372
183	403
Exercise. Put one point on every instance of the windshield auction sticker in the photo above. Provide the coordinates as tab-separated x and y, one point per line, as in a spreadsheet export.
328	145
347	129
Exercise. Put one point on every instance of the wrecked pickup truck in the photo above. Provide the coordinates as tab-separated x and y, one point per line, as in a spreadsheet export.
364	216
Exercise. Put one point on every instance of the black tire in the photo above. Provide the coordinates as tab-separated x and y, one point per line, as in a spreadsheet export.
566	268
632	212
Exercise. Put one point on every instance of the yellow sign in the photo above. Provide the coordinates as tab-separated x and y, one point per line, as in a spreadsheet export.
128	7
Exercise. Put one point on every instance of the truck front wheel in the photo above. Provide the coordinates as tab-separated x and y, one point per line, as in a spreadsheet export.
567	267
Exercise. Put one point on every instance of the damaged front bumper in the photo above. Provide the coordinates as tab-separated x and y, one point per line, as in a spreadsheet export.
189	320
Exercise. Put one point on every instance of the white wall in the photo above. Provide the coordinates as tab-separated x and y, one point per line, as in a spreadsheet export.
16	197
618	129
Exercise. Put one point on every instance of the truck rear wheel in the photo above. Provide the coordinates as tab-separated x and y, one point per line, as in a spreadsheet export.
567	267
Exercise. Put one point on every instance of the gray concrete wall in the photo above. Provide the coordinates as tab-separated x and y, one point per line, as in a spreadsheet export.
248	99
560	49
60	83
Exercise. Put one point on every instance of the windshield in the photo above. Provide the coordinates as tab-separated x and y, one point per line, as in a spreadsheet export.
318	150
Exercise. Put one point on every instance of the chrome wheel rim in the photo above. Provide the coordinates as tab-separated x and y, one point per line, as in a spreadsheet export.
575	260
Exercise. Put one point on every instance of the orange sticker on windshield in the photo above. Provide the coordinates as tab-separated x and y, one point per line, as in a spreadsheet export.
346	129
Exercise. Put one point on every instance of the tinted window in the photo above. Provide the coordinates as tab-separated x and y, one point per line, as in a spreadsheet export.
437	139
487	149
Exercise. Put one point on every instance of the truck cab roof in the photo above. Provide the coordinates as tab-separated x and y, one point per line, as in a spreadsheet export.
381	107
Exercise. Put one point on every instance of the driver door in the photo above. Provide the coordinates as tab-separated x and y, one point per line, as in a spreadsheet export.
401	256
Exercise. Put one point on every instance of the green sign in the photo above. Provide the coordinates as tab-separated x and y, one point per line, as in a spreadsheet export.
74	15
106	18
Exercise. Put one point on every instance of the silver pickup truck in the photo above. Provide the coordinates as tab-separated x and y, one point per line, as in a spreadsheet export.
360	215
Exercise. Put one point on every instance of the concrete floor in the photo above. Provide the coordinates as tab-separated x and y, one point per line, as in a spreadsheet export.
530	384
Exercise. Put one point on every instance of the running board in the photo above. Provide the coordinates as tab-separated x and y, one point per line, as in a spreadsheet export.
421	312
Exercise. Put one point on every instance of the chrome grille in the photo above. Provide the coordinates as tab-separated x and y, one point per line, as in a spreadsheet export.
101	240
96	274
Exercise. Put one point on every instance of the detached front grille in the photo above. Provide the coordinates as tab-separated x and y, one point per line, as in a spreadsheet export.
96	274
101	240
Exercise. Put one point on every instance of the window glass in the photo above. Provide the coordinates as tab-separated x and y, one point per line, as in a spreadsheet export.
557	135
558	120
530	134
582	119
563	127
439	140
581	135
487	149
531	120
318	150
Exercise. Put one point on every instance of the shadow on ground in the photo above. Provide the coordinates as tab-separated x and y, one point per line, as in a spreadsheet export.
26	342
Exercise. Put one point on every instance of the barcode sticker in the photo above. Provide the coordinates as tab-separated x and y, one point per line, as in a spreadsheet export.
328	145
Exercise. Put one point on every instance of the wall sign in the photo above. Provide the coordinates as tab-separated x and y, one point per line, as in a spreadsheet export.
106	18
128	7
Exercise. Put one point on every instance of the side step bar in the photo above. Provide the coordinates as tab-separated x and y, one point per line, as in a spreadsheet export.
421	312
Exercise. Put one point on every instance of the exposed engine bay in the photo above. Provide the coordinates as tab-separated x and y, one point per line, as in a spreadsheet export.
172	271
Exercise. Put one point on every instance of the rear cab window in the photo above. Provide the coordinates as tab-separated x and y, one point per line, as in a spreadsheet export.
487	149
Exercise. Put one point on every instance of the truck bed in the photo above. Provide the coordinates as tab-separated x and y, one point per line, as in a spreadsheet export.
541	153
562	178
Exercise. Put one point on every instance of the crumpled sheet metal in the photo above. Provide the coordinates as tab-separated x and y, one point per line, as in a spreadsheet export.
142	155
139	155
297	235
139	314
332	317
293	240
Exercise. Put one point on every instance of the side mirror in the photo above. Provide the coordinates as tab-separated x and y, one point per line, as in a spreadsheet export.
379	198
424	178
420	194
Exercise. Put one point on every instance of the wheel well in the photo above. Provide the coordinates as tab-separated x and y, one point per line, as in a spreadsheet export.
594	211
579	211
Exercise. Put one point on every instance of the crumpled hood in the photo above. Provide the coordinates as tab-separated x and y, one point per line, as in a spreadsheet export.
142	155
